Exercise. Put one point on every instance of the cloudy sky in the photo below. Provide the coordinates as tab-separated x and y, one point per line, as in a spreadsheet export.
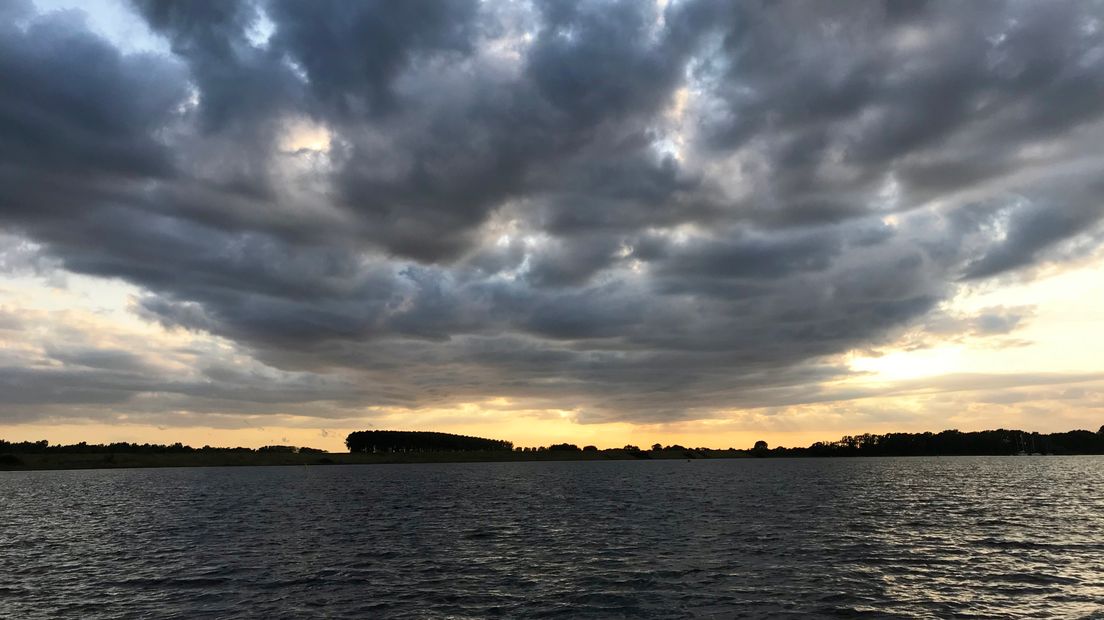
605	222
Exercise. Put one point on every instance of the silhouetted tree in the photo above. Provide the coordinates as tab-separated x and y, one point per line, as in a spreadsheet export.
563	447
280	449
420	441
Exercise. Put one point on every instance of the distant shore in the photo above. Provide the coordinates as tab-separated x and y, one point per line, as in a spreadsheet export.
45	462
93	460
383	447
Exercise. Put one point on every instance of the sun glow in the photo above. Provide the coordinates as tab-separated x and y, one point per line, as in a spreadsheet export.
302	134
898	365
1063	328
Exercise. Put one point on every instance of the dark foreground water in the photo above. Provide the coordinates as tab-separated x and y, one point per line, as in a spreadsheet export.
927	537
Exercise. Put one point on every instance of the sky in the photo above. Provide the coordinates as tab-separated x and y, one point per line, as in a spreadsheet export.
688	221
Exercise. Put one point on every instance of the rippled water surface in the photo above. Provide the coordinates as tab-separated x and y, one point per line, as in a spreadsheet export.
917	537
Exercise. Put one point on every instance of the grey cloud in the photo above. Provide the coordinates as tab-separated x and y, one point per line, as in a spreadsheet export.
74	105
237	82
593	60
572	263
352	52
937	102
440	169
105	359
89	378
592	205
751	256
1038	223
992	327
36	386
998	322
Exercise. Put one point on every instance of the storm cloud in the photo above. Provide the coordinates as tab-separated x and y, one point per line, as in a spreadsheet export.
636	211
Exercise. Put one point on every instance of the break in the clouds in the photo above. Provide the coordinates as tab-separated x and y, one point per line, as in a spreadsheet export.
627	210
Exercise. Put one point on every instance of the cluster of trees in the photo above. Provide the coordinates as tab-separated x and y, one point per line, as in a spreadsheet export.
956	443
558	447
420	441
43	447
947	443
635	451
564	447
570	447
286	449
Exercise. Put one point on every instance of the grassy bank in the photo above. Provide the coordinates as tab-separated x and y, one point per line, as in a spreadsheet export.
232	459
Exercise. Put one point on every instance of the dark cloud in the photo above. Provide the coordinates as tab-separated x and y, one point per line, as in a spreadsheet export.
742	255
105	359
237	83
74	106
1038	222
593	60
638	213
351	53
571	263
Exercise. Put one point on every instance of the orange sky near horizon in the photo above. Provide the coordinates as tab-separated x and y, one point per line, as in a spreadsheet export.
904	388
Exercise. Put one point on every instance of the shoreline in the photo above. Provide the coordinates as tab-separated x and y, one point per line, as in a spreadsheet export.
59	462
99	460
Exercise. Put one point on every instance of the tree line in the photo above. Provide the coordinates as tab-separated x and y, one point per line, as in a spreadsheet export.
999	442
956	443
43	446
420	441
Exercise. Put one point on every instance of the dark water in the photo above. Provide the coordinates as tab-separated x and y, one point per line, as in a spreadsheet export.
939	537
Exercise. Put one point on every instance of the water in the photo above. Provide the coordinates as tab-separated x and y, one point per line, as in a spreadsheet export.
916	537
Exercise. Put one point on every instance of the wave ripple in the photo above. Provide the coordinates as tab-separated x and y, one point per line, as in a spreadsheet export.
985	537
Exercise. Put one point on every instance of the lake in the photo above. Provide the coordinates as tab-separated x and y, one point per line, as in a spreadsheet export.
893	537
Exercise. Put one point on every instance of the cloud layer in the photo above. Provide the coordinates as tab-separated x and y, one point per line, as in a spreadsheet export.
638	212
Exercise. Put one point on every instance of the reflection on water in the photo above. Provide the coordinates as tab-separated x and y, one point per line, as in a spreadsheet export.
911	537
